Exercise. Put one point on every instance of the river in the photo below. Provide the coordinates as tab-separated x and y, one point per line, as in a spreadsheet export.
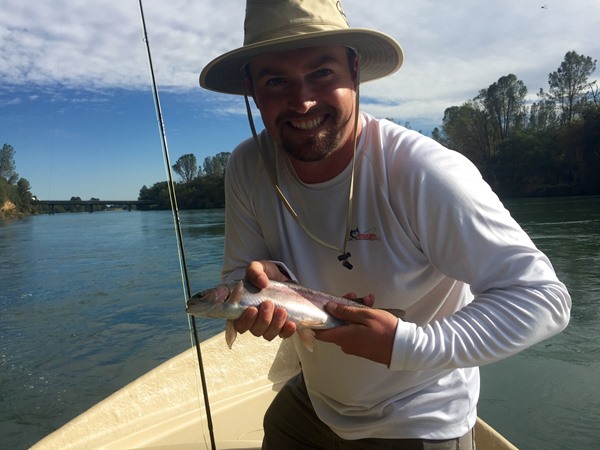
89	302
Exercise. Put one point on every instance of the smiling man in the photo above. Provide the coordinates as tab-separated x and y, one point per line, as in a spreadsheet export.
307	100
346	203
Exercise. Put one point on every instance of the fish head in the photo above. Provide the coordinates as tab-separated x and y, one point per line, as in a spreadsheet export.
213	302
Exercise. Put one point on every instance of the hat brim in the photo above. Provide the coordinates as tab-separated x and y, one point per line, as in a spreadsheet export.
380	55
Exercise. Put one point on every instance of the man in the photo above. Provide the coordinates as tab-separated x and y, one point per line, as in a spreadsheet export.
324	189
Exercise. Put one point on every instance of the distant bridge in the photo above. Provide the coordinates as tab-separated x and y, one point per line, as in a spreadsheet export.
91	203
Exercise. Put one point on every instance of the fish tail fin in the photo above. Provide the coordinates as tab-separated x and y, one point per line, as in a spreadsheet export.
307	336
230	333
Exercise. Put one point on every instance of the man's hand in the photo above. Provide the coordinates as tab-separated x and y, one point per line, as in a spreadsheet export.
369	333
266	320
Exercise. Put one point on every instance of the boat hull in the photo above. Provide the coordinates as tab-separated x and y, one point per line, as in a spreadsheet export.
164	408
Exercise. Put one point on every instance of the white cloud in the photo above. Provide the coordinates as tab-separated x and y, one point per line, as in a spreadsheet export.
453	49
11	101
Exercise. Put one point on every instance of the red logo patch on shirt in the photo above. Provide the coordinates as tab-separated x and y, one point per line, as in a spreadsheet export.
357	235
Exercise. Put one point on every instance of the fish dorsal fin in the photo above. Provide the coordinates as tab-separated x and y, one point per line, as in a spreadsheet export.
307	336
230	333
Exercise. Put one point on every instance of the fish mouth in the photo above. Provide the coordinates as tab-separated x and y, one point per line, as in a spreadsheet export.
194	301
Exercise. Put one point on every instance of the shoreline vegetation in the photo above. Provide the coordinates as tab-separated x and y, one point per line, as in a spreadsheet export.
547	148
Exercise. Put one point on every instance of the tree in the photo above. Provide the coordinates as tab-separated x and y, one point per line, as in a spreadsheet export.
24	193
214	166
580	142
542	115
531	151
158	193
569	85
505	102
186	167
468	130
477	127
7	164
439	136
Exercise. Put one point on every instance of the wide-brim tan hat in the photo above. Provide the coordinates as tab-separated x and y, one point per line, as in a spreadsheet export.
278	25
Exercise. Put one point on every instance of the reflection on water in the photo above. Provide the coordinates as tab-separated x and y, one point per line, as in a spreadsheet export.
89	302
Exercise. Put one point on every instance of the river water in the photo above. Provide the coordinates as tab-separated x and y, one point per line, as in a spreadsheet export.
89	302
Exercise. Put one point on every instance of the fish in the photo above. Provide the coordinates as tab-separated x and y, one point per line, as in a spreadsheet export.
305	307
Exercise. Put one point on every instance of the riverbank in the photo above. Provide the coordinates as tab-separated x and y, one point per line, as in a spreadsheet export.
8	211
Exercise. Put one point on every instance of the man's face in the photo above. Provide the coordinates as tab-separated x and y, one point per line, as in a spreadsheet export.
306	99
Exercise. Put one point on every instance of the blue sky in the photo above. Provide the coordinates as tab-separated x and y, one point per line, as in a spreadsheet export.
75	91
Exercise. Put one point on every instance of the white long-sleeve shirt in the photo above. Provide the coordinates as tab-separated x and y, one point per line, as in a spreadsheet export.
429	237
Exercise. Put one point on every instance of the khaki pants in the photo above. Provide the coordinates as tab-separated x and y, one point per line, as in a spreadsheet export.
291	424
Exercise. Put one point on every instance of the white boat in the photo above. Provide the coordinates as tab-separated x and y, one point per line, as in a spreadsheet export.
164	409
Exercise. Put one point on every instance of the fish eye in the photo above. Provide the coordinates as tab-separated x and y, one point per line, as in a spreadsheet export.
202	294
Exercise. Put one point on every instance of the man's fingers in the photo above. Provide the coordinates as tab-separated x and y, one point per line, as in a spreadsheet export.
368	300
260	272
277	322
246	320
369	333
288	330
347	313
256	273
263	319
267	321
327	335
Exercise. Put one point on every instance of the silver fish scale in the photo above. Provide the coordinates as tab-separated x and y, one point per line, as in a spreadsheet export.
304	306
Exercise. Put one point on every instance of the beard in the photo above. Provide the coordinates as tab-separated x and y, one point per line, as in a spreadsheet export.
317	146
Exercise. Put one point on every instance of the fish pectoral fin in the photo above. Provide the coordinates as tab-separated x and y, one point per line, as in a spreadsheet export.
230	333
307	336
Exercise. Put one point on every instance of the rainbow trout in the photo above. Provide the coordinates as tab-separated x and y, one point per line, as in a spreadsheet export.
304	306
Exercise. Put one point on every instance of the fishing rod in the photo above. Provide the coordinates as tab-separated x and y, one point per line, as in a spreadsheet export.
177	222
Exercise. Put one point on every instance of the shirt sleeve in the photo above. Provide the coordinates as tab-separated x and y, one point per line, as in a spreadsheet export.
468	235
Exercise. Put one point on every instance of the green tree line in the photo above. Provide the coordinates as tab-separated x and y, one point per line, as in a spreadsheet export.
549	147
15	192
200	187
